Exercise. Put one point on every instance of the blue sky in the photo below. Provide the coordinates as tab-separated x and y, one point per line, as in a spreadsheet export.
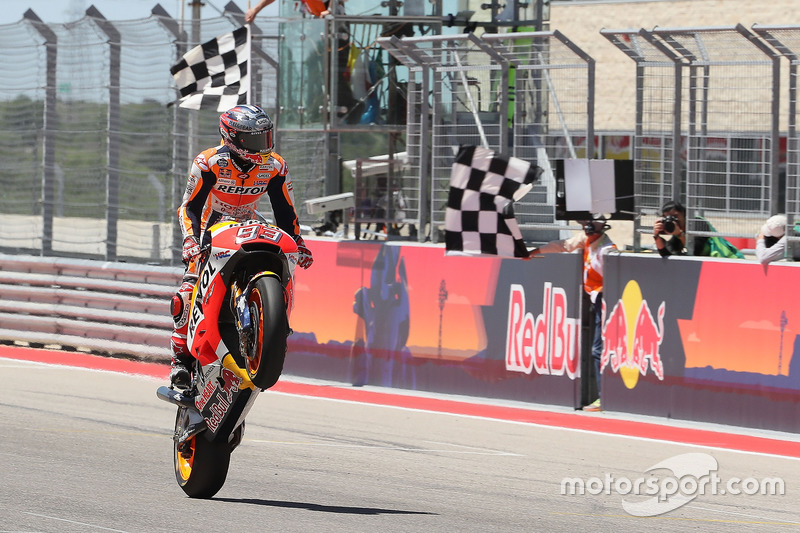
69	10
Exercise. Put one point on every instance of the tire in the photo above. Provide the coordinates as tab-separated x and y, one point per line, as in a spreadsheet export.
201	466
266	350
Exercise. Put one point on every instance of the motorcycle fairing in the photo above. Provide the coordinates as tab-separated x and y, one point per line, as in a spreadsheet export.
234	245
226	390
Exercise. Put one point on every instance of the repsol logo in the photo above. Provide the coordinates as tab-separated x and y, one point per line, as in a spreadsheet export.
202	287
234	189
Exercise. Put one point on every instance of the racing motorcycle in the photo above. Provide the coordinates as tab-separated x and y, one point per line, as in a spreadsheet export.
238	325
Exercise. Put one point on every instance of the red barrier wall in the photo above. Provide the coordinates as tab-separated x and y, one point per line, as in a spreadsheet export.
408	316
689	338
725	333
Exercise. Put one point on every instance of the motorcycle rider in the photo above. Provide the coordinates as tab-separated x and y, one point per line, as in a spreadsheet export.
228	180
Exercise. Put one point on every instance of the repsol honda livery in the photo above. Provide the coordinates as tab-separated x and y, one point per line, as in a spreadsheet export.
238	323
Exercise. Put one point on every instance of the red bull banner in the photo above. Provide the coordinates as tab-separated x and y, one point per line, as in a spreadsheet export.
703	339
409	316
687	338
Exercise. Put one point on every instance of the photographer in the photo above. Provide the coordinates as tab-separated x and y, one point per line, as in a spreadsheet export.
669	230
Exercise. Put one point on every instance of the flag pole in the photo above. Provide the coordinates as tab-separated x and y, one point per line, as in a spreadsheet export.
249	60
472	108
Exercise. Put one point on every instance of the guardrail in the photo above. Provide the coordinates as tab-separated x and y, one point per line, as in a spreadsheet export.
102	307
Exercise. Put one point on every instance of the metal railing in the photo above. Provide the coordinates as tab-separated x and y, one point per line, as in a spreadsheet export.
526	94
101	307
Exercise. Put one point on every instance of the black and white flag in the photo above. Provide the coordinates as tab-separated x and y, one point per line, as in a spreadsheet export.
480	215
215	74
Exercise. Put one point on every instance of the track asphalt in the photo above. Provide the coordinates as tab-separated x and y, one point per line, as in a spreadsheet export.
773	443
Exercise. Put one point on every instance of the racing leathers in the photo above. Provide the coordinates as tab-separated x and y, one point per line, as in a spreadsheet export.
221	185
218	187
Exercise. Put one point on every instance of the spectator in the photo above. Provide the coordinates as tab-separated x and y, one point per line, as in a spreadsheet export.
771	241
595	245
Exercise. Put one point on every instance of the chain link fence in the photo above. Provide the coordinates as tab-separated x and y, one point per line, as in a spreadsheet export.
658	166
786	40
99	157
732	138
708	119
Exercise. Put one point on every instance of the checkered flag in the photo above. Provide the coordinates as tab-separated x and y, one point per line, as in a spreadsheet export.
480	215
215	74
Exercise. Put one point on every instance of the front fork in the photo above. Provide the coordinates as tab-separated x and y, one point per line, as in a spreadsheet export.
241	309
244	321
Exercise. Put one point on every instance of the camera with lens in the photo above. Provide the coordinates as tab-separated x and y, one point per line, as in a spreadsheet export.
669	222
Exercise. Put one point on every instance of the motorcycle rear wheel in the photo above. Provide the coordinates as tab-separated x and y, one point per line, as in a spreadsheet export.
266	351
201	466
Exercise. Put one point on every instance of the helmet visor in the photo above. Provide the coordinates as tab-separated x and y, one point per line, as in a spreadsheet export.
256	142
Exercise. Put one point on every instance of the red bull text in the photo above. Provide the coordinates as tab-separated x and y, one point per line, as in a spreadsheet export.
547	343
219	394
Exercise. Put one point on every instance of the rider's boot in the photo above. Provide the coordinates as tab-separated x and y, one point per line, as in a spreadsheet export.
180	375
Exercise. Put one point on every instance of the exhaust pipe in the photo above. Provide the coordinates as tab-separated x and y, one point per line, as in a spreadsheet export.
177	397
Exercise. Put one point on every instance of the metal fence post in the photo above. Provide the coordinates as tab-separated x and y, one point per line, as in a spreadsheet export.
786	40
590	68
775	205
179	144
112	175
50	126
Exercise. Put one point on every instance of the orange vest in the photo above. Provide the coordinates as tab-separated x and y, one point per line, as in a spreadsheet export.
592	265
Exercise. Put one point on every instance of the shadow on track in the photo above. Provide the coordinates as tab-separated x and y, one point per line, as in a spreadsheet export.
321	508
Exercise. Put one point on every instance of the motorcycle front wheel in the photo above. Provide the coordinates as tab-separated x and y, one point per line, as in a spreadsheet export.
266	350
201	466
